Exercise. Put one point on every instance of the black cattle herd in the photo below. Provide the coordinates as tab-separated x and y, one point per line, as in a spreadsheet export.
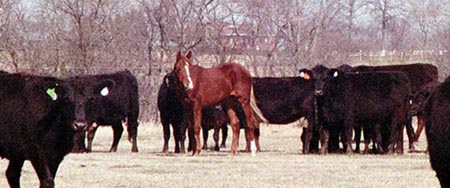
42	119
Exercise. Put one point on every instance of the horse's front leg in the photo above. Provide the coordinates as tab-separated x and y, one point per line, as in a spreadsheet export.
197	128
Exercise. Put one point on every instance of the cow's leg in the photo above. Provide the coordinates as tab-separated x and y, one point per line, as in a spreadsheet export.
324	137
216	137
367	131
191	136
224	135
205	138
197	127
132	125
176	138
377	138
333	141
39	162
13	172
166	133
420	125
399	148
306	139
234	121
393	138
182	140
358	139
176	135
348	135
54	163
92	128
117	131
410	133
79	145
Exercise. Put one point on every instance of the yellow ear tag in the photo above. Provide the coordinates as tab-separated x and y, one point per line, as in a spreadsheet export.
51	92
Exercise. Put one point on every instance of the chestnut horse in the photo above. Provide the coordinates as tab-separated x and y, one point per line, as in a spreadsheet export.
209	86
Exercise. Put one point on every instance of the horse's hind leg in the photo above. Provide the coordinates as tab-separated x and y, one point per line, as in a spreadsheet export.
250	124
234	121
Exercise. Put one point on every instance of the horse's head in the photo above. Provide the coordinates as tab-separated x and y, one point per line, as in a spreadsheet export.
182	70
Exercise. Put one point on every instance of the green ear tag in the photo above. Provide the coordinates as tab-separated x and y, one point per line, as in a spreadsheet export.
51	92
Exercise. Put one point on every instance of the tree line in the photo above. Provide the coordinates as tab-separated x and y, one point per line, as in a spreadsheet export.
270	37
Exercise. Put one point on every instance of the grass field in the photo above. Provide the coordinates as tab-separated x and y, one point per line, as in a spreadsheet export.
280	164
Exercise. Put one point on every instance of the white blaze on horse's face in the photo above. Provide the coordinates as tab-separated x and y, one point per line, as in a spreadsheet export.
188	74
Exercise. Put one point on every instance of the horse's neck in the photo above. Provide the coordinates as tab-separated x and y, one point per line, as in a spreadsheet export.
195	70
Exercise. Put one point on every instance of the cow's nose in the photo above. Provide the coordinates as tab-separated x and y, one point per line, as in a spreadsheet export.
79	126
318	92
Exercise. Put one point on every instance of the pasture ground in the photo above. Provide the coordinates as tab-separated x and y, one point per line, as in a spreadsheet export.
280	164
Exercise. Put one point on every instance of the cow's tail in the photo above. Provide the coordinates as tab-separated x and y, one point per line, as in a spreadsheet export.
258	114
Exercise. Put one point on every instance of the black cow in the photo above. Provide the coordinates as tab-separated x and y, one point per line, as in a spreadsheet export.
367	99
171	112
108	99
215	118
420	76
437	129
36	124
285	100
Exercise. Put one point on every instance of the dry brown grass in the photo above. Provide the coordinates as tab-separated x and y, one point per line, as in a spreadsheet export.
279	165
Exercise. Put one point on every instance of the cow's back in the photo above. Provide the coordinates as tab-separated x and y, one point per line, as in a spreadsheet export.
418	74
281	100
372	95
121	102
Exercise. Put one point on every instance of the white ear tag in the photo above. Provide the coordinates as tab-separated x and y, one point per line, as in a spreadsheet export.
336	74
410	101
104	91
302	74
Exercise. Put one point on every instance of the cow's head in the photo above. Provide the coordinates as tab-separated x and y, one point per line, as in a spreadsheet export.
50	96
418	99
174	87
324	77
77	93
182	70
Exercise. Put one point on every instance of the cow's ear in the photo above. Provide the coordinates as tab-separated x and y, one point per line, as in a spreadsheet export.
305	74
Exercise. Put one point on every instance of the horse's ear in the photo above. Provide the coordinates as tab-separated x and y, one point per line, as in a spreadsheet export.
189	55
178	55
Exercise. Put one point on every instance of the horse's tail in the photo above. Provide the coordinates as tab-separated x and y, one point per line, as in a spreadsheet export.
259	115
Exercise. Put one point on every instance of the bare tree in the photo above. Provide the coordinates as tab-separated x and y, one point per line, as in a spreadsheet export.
11	37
